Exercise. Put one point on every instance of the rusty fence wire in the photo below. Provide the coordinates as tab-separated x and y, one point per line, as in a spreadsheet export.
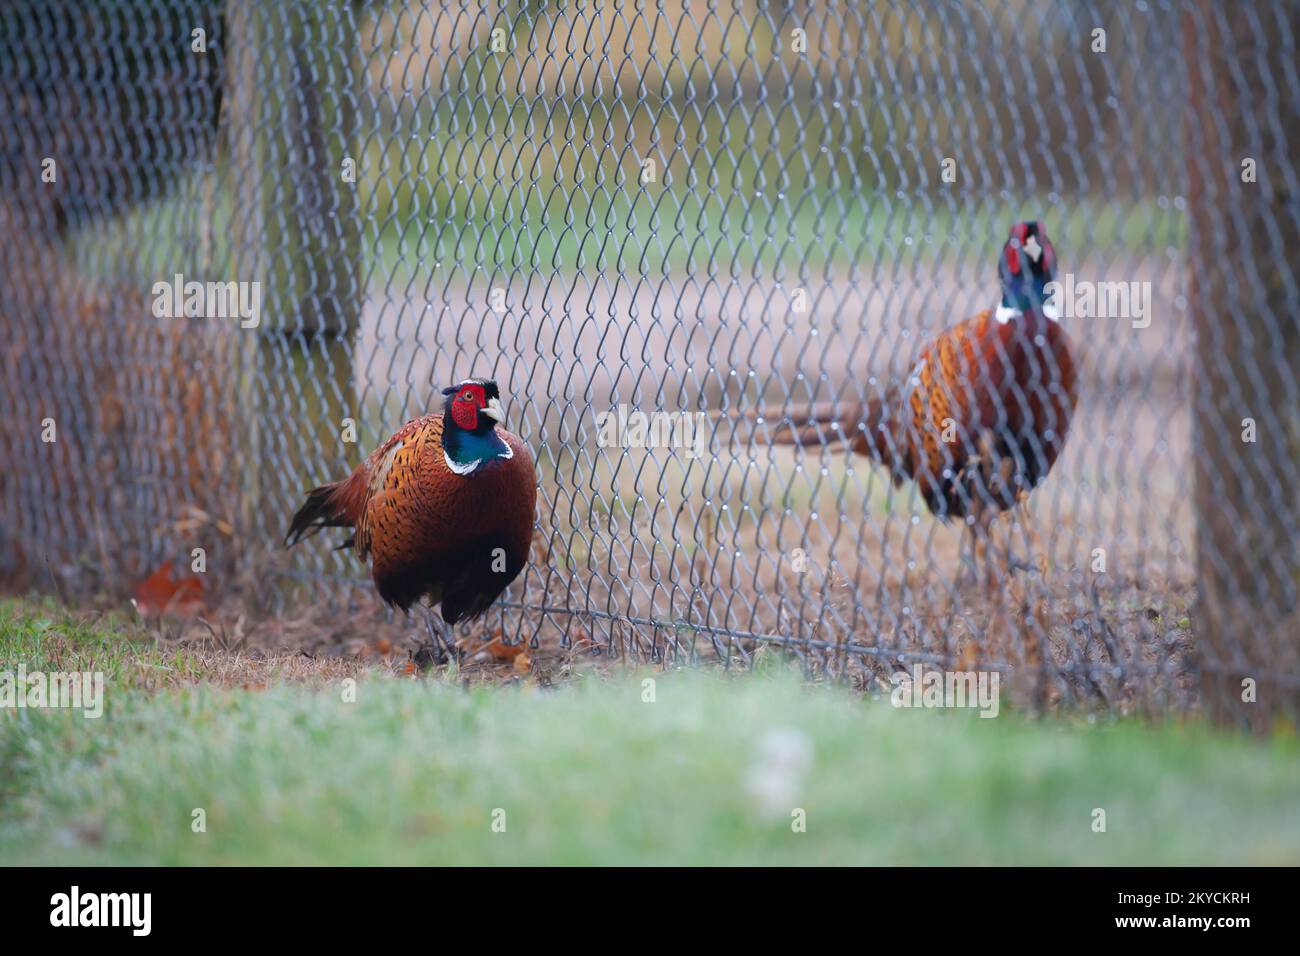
712	215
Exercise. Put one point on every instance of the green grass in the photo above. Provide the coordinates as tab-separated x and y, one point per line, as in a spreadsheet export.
684	234
420	225
40	635
413	771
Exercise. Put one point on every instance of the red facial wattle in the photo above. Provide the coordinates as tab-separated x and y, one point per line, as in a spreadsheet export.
1019	233
466	405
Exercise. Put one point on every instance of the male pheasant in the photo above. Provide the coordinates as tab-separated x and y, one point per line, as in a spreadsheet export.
984	413
444	509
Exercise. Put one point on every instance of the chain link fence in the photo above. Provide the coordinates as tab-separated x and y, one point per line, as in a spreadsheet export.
722	213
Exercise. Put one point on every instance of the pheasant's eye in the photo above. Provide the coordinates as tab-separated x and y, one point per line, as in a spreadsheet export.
467	396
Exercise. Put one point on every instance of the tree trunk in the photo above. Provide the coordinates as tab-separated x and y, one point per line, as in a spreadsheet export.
294	79
1244	265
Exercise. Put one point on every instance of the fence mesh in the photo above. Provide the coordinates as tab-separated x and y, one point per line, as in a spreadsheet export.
716	215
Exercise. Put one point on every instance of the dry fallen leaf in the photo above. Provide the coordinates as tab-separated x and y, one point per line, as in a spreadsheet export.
581	642
162	593
506	652
499	650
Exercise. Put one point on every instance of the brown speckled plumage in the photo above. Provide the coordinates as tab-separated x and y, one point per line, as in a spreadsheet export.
982	416
1004	393
427	531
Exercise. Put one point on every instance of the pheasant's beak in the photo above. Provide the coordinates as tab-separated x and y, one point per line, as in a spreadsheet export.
494	411
1033	249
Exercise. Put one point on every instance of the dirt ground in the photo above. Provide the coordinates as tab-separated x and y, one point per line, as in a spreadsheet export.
753	553
689	559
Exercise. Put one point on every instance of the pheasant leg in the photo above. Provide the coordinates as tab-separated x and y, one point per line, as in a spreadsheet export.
439	650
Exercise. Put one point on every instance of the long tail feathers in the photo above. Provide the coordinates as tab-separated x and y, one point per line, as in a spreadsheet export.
322	509
866	430
825	423
813	425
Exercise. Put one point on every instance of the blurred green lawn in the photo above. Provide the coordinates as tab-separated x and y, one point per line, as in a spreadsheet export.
420	225
589	772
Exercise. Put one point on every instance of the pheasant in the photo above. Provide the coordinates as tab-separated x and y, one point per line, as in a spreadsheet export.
444	509
984	413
